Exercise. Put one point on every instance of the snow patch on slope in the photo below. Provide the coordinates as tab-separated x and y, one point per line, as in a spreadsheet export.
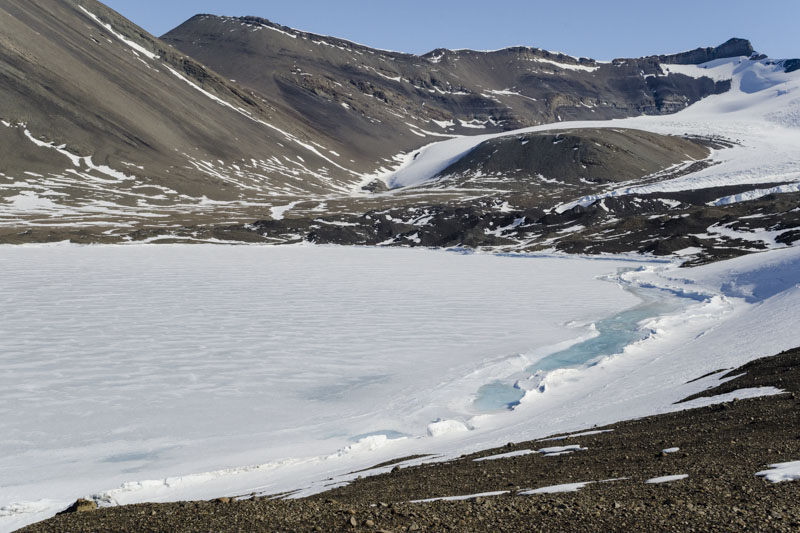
133	45
780	472
755	194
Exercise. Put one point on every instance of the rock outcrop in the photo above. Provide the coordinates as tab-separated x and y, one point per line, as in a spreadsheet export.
732	48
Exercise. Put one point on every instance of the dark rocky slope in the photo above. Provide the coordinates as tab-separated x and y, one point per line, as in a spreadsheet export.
658	224
732	48
385	102
75	82
573	157
104	127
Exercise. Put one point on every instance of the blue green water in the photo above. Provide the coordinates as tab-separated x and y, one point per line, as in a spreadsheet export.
614	334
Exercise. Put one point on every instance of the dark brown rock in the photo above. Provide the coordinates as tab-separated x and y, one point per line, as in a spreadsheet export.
80	506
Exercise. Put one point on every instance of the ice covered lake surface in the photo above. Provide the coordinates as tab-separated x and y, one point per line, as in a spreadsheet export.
612	335
148	373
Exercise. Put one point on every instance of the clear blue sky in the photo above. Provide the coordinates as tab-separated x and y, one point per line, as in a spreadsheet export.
602	29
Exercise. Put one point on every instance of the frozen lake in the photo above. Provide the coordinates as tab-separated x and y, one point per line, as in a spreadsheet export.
125	363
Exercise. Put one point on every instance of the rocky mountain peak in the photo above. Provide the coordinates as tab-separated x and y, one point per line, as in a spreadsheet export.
735	47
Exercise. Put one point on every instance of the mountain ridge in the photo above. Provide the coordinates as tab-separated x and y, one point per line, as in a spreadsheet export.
389	102
240	128
733	47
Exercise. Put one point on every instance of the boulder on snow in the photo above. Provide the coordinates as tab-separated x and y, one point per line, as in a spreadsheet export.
80	506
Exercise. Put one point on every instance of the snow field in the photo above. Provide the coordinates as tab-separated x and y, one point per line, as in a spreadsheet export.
163	369
464	497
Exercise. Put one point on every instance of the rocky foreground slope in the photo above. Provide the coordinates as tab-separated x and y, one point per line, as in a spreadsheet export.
702	469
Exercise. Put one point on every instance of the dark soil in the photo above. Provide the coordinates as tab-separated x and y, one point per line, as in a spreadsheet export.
721	449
